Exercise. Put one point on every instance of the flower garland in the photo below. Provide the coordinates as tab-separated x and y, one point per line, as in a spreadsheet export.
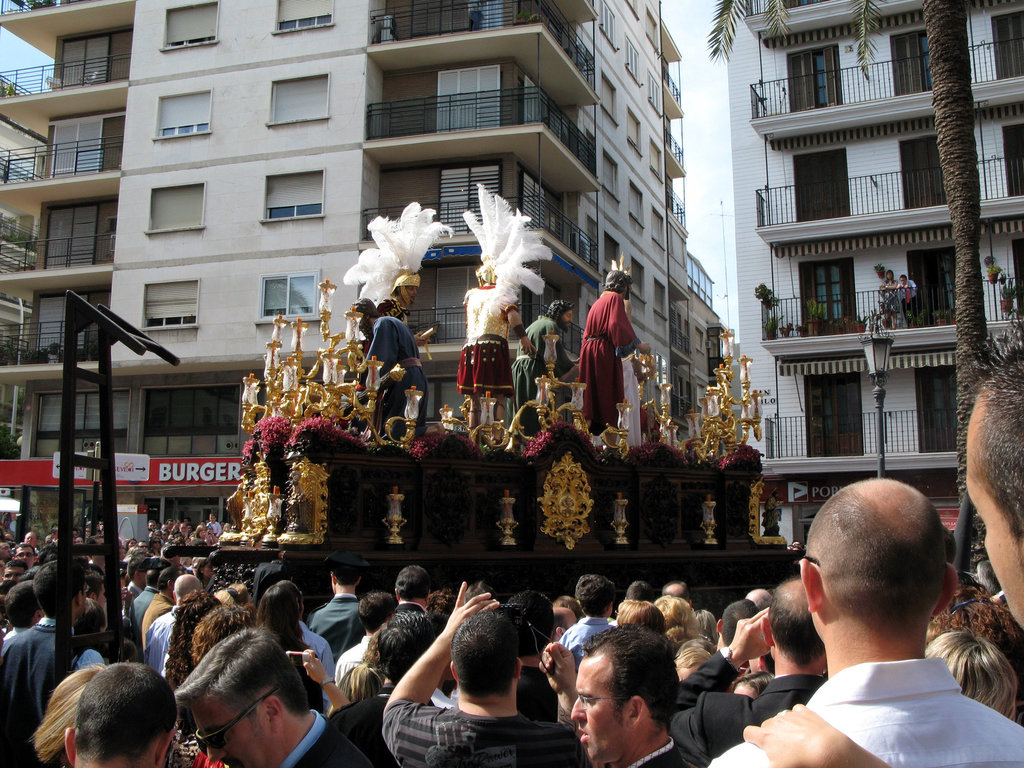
271	434
319	435
445	446
560	431
745	458
656	455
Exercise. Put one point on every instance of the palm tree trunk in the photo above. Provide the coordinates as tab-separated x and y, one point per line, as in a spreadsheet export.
946	27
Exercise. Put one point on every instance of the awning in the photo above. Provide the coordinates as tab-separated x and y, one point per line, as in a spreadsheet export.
858	364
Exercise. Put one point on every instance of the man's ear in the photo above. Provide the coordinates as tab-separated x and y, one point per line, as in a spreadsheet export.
451	667
950	582
811	578
70	749
766	632
158	749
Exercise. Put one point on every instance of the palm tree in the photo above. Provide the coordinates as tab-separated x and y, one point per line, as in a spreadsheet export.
945	23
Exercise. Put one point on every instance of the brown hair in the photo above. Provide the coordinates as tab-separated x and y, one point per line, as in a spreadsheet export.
192	608
643	613
216	625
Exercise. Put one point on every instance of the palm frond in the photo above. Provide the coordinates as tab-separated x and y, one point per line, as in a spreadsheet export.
777	16
723	29
865	25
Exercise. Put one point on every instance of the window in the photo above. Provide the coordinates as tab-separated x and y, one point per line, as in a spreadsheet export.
922	176
834	415
814	79
611	251
290	295
181	115
295	194
608	96
92	60
1013	154
632	60
911	71
610	177
458	192
302	14
654	90
463	104
828	282
659	298
80	235
1008	33
654	152
633	129
192	421
936	408
176	207
193	25
592	229
636	204
637	271
608	21
87	422
170	304
657	226
652	30
821	185
293	100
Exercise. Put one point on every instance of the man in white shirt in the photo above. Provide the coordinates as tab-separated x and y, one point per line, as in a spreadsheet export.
874	573
375	608
158	637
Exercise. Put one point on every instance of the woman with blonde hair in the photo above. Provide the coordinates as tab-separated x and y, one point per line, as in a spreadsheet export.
983	671
60	715
360	682
691	655
678	613
236	594
641	612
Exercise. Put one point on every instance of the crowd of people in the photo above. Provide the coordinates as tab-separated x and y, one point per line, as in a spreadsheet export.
877	652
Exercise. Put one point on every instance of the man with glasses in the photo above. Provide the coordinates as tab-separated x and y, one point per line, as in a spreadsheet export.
251	710
125	716
875	572
481	646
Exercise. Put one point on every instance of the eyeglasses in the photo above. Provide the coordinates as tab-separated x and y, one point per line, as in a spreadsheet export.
965	603
218	738
588	701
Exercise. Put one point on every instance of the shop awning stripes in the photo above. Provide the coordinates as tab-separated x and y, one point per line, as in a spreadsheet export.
841	30
847	135
932	359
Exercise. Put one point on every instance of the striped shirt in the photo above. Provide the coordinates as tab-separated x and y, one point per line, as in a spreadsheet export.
421	735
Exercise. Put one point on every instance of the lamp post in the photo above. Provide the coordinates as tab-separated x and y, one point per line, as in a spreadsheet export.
877	346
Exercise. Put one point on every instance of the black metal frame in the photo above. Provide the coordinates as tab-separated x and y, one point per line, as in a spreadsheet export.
78	316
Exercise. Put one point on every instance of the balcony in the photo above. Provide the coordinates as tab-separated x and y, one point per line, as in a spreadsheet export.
906	432
679	340
675	205
846	313
674	157
680	406
450	323
816	14
542	216
31	265
672	96
40	23
404	37
485	123
33	95
42	343
80	169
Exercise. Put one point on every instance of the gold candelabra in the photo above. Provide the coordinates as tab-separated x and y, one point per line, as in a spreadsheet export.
619	522
394	520
708	522
507	522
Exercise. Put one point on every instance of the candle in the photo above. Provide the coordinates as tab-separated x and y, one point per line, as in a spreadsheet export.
289	377
550	339
412	402
745	363
298	329
543	386
373	373
352	324
327	289
624	411
666	393
250	390
279	324
577	395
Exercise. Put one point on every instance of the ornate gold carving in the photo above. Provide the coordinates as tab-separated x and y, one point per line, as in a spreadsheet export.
754	514
257	504
307	504
566	502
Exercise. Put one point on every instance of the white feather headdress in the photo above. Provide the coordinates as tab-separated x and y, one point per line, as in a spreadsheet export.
507	247
401	245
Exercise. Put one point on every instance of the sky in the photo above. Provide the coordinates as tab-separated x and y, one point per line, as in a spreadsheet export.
705	133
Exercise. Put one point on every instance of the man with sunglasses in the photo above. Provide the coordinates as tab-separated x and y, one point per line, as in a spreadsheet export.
251	710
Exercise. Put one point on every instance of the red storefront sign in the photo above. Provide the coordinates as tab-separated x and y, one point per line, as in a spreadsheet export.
214	470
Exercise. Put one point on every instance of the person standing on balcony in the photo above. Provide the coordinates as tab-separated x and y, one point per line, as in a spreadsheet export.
492	310
607	338
891	302
909	297
526	369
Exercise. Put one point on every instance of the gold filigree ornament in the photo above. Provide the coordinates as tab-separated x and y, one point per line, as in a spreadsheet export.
754	513
307	505
566	502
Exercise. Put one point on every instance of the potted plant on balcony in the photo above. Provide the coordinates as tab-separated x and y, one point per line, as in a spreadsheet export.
862	323
1007	295
815	315
880	271
786	330
525	17
765	295
942	316
771	326
993	270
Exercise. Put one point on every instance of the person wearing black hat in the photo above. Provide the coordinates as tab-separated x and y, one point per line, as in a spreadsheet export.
338	620
526	368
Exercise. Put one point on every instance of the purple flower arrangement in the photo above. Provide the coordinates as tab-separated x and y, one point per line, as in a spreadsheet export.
560	431
745	458
445	446
656	455
320	435
272	434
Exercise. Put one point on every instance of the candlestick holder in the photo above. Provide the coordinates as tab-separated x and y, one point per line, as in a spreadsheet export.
507	522
619	522
708	523
273	518
394	520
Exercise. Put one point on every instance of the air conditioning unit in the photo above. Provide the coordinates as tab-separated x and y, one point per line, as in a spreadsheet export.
387	29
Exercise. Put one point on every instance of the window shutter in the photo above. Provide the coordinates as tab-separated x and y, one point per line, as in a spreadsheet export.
290	10
198	22
452	284
458	192
172	299
295	189
173	207
300	99
192	109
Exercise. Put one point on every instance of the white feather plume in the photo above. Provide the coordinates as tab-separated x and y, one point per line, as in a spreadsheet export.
508	246
401	245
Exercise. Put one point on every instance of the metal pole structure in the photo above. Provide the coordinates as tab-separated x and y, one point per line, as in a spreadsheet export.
879	393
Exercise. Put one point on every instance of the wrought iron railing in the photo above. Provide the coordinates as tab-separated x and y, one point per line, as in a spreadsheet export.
674	147
56	252
542	215
447	17
680	405
450	323
678	339
673	87
906	431
71	158
19	6
37	343
66	74
675	205
477	111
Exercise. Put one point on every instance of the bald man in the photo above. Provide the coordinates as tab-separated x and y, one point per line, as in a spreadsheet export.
158	638
874	573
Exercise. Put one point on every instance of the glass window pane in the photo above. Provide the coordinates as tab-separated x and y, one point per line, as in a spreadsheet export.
203	445
227	444
302	291
49	413
181	414
229	406
47	447
155	446
89	416
179	445
205	410
275	296
120	410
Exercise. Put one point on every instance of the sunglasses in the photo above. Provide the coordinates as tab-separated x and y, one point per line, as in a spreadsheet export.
218	738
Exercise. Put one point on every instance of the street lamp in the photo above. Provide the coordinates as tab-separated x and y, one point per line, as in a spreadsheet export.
877	346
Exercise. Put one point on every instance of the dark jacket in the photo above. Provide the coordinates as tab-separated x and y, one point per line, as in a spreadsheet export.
332	750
